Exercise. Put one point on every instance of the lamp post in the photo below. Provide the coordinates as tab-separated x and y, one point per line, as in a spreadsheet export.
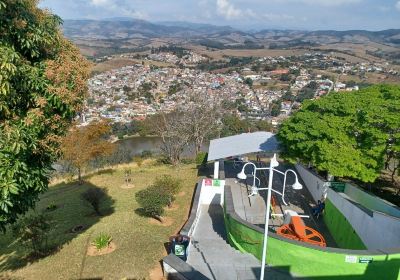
243	176
297	186
254	189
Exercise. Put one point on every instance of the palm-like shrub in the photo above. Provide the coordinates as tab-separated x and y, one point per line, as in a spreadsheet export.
102	241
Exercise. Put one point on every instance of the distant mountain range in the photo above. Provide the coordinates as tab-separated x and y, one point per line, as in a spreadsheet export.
126	29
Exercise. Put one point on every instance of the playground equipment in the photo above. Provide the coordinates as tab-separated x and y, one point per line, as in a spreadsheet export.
294	228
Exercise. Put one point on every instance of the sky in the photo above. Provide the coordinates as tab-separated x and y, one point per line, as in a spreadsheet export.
243	14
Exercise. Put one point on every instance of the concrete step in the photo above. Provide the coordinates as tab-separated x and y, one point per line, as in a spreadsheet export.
224	253
212	245
221	272
214	258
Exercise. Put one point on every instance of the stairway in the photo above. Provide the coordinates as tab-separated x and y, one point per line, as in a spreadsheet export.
211	254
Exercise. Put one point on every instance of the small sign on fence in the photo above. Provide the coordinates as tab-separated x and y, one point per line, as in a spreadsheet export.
338	186
365	260
351	259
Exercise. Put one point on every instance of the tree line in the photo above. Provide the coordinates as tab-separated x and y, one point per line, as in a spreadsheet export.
354	135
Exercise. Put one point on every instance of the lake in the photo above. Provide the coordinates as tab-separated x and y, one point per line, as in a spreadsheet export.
136	145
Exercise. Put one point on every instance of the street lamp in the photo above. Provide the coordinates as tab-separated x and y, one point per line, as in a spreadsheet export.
273	163
243	176
297	186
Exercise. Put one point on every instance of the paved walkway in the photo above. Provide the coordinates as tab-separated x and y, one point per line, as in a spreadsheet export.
211	254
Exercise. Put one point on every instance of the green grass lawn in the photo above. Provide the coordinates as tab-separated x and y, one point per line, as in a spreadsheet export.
140	244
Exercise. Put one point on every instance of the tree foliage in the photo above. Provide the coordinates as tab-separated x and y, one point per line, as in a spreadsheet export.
153	199
346	134
173	133
190	124
83	144
201	118
42	85
232	125
152	202
33	231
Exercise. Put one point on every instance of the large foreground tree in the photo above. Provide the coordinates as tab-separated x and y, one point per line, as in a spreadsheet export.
346	134
42	85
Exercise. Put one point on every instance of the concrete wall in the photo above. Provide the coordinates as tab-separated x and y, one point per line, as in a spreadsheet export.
308	261
376	230
371	201
343	232
316	185
212	194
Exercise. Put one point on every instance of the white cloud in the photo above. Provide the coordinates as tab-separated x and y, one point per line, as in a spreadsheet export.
99	2
119	7
228	10
323	2
398	5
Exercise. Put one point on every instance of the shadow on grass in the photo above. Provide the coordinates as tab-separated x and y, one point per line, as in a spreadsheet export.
71	215
205	170
141	212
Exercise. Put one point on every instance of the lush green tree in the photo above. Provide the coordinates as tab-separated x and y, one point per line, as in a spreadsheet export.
232	124
263	125
42	86
285	77
249	82
346	134
275	108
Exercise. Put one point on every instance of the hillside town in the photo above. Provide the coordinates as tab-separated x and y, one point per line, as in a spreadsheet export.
267	88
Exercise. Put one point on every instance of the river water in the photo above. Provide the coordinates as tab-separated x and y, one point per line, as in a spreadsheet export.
137	145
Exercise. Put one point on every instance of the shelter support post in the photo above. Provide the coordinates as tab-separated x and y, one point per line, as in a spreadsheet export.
216	169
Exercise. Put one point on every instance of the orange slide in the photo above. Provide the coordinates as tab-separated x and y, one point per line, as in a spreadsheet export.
297	230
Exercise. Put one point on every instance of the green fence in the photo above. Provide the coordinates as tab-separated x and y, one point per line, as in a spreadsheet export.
340	229
308	261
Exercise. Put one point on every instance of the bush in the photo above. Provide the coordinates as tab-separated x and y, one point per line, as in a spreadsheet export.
94	196
51	207
168	184
152	202
201	158
139	161
187	161
146	154
33	232
102	241
163	160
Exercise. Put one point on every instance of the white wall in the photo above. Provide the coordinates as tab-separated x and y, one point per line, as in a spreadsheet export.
208	194
315	185
377	230
371	201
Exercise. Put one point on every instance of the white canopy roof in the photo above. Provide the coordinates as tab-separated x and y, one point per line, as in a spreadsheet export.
241	144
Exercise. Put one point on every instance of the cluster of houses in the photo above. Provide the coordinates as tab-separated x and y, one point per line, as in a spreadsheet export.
138	90
134	92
